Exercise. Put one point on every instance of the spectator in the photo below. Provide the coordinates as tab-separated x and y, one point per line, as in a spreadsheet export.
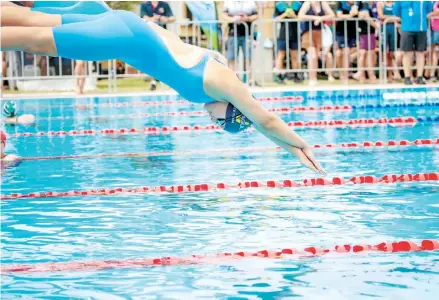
32	65
158	12
327	57
390	36
4	70
367	42
239	15
346	35
413	16
315	12
80	70
283	11
434	41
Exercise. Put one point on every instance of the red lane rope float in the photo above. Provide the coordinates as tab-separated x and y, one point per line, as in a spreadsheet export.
171	102
205	187
308	252
367	144
353	123
279	110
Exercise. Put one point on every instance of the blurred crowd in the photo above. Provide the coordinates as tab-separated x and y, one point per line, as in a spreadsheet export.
313	40
346	37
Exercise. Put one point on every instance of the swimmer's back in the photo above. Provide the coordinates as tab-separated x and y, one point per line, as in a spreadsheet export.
123	35
155	58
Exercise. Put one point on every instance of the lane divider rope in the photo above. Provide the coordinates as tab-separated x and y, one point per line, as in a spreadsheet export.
352	123
205	187
367	144
282	110
171	102
308	252
298	99
278	110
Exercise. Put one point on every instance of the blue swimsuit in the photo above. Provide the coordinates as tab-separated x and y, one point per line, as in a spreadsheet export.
123	35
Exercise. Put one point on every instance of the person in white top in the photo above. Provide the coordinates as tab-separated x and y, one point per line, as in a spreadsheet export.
240	15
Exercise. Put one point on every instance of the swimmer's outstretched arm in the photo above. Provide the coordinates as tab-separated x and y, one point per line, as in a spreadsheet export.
231	89
26	119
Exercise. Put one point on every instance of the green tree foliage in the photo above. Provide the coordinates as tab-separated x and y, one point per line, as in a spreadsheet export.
125	5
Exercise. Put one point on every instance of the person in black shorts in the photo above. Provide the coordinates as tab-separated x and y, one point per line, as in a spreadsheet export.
288	38
414	24
346	34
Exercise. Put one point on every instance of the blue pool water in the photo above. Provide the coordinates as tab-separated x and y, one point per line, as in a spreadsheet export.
137	226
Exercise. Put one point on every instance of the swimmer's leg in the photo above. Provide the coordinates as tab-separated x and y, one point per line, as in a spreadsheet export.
81	7
22	16
36	40
61	3
107	37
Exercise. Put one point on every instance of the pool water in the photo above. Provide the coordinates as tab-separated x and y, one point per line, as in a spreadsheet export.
96	228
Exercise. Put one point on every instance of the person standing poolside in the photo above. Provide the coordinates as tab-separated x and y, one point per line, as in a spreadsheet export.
390	36
197	74
433	41
414	16
367	42
240	15
315	13
346	35
288	38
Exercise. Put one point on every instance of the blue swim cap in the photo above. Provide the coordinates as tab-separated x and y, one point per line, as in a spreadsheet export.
235	121
9	109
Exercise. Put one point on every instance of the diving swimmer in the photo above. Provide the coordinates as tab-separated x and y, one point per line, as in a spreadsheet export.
197	74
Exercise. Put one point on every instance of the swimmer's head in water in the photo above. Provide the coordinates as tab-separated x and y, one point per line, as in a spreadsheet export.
10	109
228	117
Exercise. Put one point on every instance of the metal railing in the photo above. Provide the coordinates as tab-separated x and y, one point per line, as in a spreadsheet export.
23	67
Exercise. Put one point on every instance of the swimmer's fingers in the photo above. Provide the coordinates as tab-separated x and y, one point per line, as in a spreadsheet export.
308	153
304	159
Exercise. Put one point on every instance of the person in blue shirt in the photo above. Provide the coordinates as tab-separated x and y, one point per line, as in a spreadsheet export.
158	12
390	38
414	21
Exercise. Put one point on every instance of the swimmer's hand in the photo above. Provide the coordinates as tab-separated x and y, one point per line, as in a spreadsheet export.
26	119
307	158
10	158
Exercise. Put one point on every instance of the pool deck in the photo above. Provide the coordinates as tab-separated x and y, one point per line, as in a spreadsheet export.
288	88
